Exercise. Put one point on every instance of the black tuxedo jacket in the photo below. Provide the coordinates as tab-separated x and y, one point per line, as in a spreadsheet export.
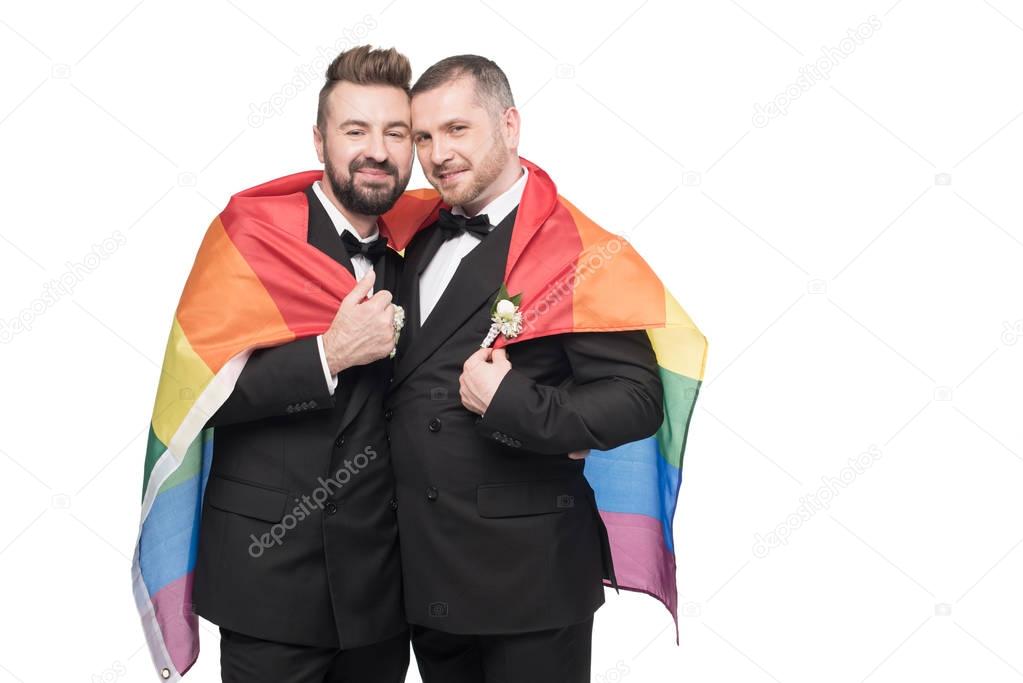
292	461
499	530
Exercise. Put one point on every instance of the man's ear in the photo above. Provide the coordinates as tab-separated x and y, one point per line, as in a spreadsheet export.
511	122
318	143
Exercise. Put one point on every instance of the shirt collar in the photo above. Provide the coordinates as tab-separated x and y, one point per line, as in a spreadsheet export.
503	204
338	219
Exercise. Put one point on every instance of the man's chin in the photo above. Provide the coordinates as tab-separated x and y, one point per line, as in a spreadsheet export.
453	195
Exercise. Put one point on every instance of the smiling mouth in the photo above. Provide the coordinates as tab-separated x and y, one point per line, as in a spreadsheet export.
451	175
374	173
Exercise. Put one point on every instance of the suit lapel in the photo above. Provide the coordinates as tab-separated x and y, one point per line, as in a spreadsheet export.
380	268
364	376
323	235
478	278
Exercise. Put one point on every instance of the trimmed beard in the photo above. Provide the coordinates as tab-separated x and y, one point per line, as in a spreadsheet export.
366	202
483	177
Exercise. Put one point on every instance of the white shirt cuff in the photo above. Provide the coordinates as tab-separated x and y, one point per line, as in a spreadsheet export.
331	379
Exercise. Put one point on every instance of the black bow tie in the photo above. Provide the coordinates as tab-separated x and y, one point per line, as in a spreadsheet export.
372	250
454	225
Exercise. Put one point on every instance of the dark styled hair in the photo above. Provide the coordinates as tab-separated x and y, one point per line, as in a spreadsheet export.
364	65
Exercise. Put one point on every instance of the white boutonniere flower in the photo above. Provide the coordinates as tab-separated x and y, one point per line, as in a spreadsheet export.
399	323
505	317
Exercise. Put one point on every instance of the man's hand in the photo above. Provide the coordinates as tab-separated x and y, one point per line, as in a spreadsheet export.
481	375
362	330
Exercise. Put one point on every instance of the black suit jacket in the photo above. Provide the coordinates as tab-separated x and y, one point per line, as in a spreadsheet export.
295	463
498	527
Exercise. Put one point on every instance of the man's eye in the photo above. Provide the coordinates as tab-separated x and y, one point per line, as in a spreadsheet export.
355	132
457	129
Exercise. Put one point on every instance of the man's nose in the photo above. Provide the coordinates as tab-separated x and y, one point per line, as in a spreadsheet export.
376	149
439	153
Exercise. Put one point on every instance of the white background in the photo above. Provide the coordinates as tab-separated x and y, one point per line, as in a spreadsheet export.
854	263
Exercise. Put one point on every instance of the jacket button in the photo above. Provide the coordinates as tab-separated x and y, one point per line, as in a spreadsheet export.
388	413
339	441
434	425
330	507
431	493
394	503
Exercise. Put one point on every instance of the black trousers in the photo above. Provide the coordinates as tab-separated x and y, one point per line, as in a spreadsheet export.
560	655
244	659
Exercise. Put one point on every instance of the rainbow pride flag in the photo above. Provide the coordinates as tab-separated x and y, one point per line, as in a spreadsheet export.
256	282
575	276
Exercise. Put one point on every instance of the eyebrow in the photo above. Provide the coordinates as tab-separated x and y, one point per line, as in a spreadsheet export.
365	124
446	124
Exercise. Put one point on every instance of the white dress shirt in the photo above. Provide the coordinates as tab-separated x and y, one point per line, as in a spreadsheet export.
360	264
437	275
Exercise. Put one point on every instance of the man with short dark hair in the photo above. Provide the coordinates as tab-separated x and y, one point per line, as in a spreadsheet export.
503	551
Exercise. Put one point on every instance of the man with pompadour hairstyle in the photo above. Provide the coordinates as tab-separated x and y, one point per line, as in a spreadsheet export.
298	553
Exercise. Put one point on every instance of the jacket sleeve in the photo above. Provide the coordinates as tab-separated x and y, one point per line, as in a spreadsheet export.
281	380
613	397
